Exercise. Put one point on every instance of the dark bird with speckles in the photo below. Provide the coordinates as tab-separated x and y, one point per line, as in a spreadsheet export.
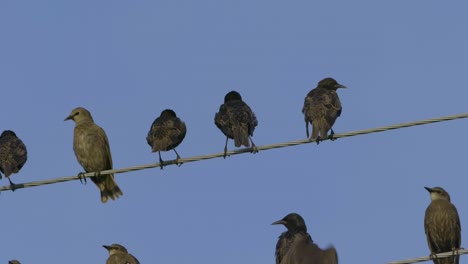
166	133
295	246
118	254
442	226
92	151
322	107
13	262
237	121
13	155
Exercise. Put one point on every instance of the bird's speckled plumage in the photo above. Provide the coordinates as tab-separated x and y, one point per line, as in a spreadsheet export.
322	107
442	225
13	154
92	151
166	132
236	120
295	246
118	254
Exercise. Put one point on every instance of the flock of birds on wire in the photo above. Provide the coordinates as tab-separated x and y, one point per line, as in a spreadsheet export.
237	121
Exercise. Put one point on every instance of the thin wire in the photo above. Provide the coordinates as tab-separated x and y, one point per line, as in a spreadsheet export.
236	152
435	256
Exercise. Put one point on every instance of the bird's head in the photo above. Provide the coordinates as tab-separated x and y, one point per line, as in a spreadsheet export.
13	262
8	133
293	222
231	96
437	193
330	84
80	115
115	248
168	113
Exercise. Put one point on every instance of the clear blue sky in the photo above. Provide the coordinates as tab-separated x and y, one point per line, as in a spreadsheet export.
127	60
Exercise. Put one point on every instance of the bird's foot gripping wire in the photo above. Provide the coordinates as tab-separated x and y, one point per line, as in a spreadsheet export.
177	159
161	162
225	153
82	178
254	149
13	186
318	139
330	137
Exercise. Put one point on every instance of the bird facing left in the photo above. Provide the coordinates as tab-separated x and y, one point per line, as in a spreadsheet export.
92	151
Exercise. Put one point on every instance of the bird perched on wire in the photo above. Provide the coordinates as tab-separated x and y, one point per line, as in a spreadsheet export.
13	262
295	246
237	121
118	254
92	150
442	226
322	107
166	133
13	155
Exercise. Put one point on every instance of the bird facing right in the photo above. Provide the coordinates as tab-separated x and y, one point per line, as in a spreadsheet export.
118	254
237	121
321	108
13	155
295	246
442	226
166	133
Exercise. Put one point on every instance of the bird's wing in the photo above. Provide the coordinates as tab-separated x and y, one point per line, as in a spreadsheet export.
330	256
105	141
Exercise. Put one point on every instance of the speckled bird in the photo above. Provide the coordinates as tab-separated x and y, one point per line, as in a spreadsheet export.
118	254
166	133
237	121
92	151
13	155
322	107
295	246
442	226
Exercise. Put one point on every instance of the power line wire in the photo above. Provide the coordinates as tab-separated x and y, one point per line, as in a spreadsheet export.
435	256
236	152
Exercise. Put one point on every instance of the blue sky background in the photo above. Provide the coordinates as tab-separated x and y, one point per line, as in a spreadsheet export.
126	61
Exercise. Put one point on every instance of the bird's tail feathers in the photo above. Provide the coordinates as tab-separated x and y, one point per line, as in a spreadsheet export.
109	189
241	136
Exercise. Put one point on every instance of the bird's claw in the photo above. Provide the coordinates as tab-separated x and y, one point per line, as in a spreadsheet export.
82	178
330	137
317	140
177	162
254	149
161	164
13	186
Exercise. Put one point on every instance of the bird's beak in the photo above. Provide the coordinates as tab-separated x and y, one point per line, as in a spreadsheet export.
428	189
68	118
340	86
279	222
107	247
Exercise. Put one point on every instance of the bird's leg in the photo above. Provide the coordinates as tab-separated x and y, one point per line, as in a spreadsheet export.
82	178
254	148
225	148
307	129
317	140
12	185
161	162
331	135
177	159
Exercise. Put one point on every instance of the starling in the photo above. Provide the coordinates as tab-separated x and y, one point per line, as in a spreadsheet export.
442	226
93	152
166	133
237	121
321	108
13	262
13	155
295	246
118	254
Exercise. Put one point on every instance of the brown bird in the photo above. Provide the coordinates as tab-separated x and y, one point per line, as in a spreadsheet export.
118	254
237	121
295	246
442	226
93	152
13	262
166	133
13	155
321	108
